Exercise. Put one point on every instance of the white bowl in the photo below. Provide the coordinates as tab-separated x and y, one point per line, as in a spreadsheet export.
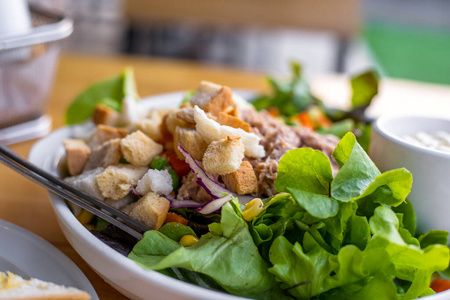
119	271
430	194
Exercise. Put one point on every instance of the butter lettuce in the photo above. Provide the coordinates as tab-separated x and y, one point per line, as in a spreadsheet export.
227	254
347	237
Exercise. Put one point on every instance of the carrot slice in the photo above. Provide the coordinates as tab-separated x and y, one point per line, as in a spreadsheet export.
305	120
439	285
173	217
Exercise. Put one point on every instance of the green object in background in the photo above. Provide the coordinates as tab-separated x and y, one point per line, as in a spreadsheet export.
411	53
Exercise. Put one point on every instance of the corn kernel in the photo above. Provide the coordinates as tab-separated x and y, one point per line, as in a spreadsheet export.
188	240
85	217
252	209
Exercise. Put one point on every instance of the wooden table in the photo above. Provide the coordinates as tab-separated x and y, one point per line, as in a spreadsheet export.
27	205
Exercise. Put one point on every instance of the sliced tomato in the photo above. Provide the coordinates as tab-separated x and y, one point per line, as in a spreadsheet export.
179	166
439	285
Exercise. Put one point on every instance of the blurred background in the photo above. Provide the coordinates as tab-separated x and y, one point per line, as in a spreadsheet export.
400	38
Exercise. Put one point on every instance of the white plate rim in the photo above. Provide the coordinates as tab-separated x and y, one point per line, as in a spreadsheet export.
47	251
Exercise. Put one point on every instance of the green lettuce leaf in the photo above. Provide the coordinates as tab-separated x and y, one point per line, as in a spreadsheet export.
359	177
364	88
109	92
304	169
227	254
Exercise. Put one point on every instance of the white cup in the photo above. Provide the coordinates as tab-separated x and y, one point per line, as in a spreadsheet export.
14	17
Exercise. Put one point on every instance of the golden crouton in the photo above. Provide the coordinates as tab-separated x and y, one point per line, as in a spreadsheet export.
150	210
104	115
212	98
77	152
224	156
232	111
229	120
105	155
186	115
191	141
115	181
105	133
220	102
138	149
243	181
151	124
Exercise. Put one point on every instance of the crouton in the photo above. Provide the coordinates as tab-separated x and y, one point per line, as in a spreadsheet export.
186	115
210	130
229	120
212	98
243	180
151	124
115	181
105	155
138	149
205	92
77	153
172	121
105	133
191	141
156	181
104	115
150	210
232	111
224	156
86	182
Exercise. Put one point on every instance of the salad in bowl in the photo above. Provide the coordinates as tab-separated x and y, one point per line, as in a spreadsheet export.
243	201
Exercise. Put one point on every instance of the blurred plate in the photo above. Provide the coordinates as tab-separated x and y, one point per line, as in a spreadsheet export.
28	254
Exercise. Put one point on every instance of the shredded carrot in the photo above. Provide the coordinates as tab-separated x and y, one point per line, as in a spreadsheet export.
173	217
323	121
273	111
439	285
305	120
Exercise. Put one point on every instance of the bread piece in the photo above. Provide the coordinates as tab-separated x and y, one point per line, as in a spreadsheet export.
86	182
105	133
14	287
151	124
186	115
212	98
105	155
205	92
104	115
115	181
77	152
156	181
138	149
191	141
151	210
224	156
243	180
229	120
173	121
210	130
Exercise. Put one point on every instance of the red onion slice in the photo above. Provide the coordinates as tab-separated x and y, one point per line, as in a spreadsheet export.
214	205
212	187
